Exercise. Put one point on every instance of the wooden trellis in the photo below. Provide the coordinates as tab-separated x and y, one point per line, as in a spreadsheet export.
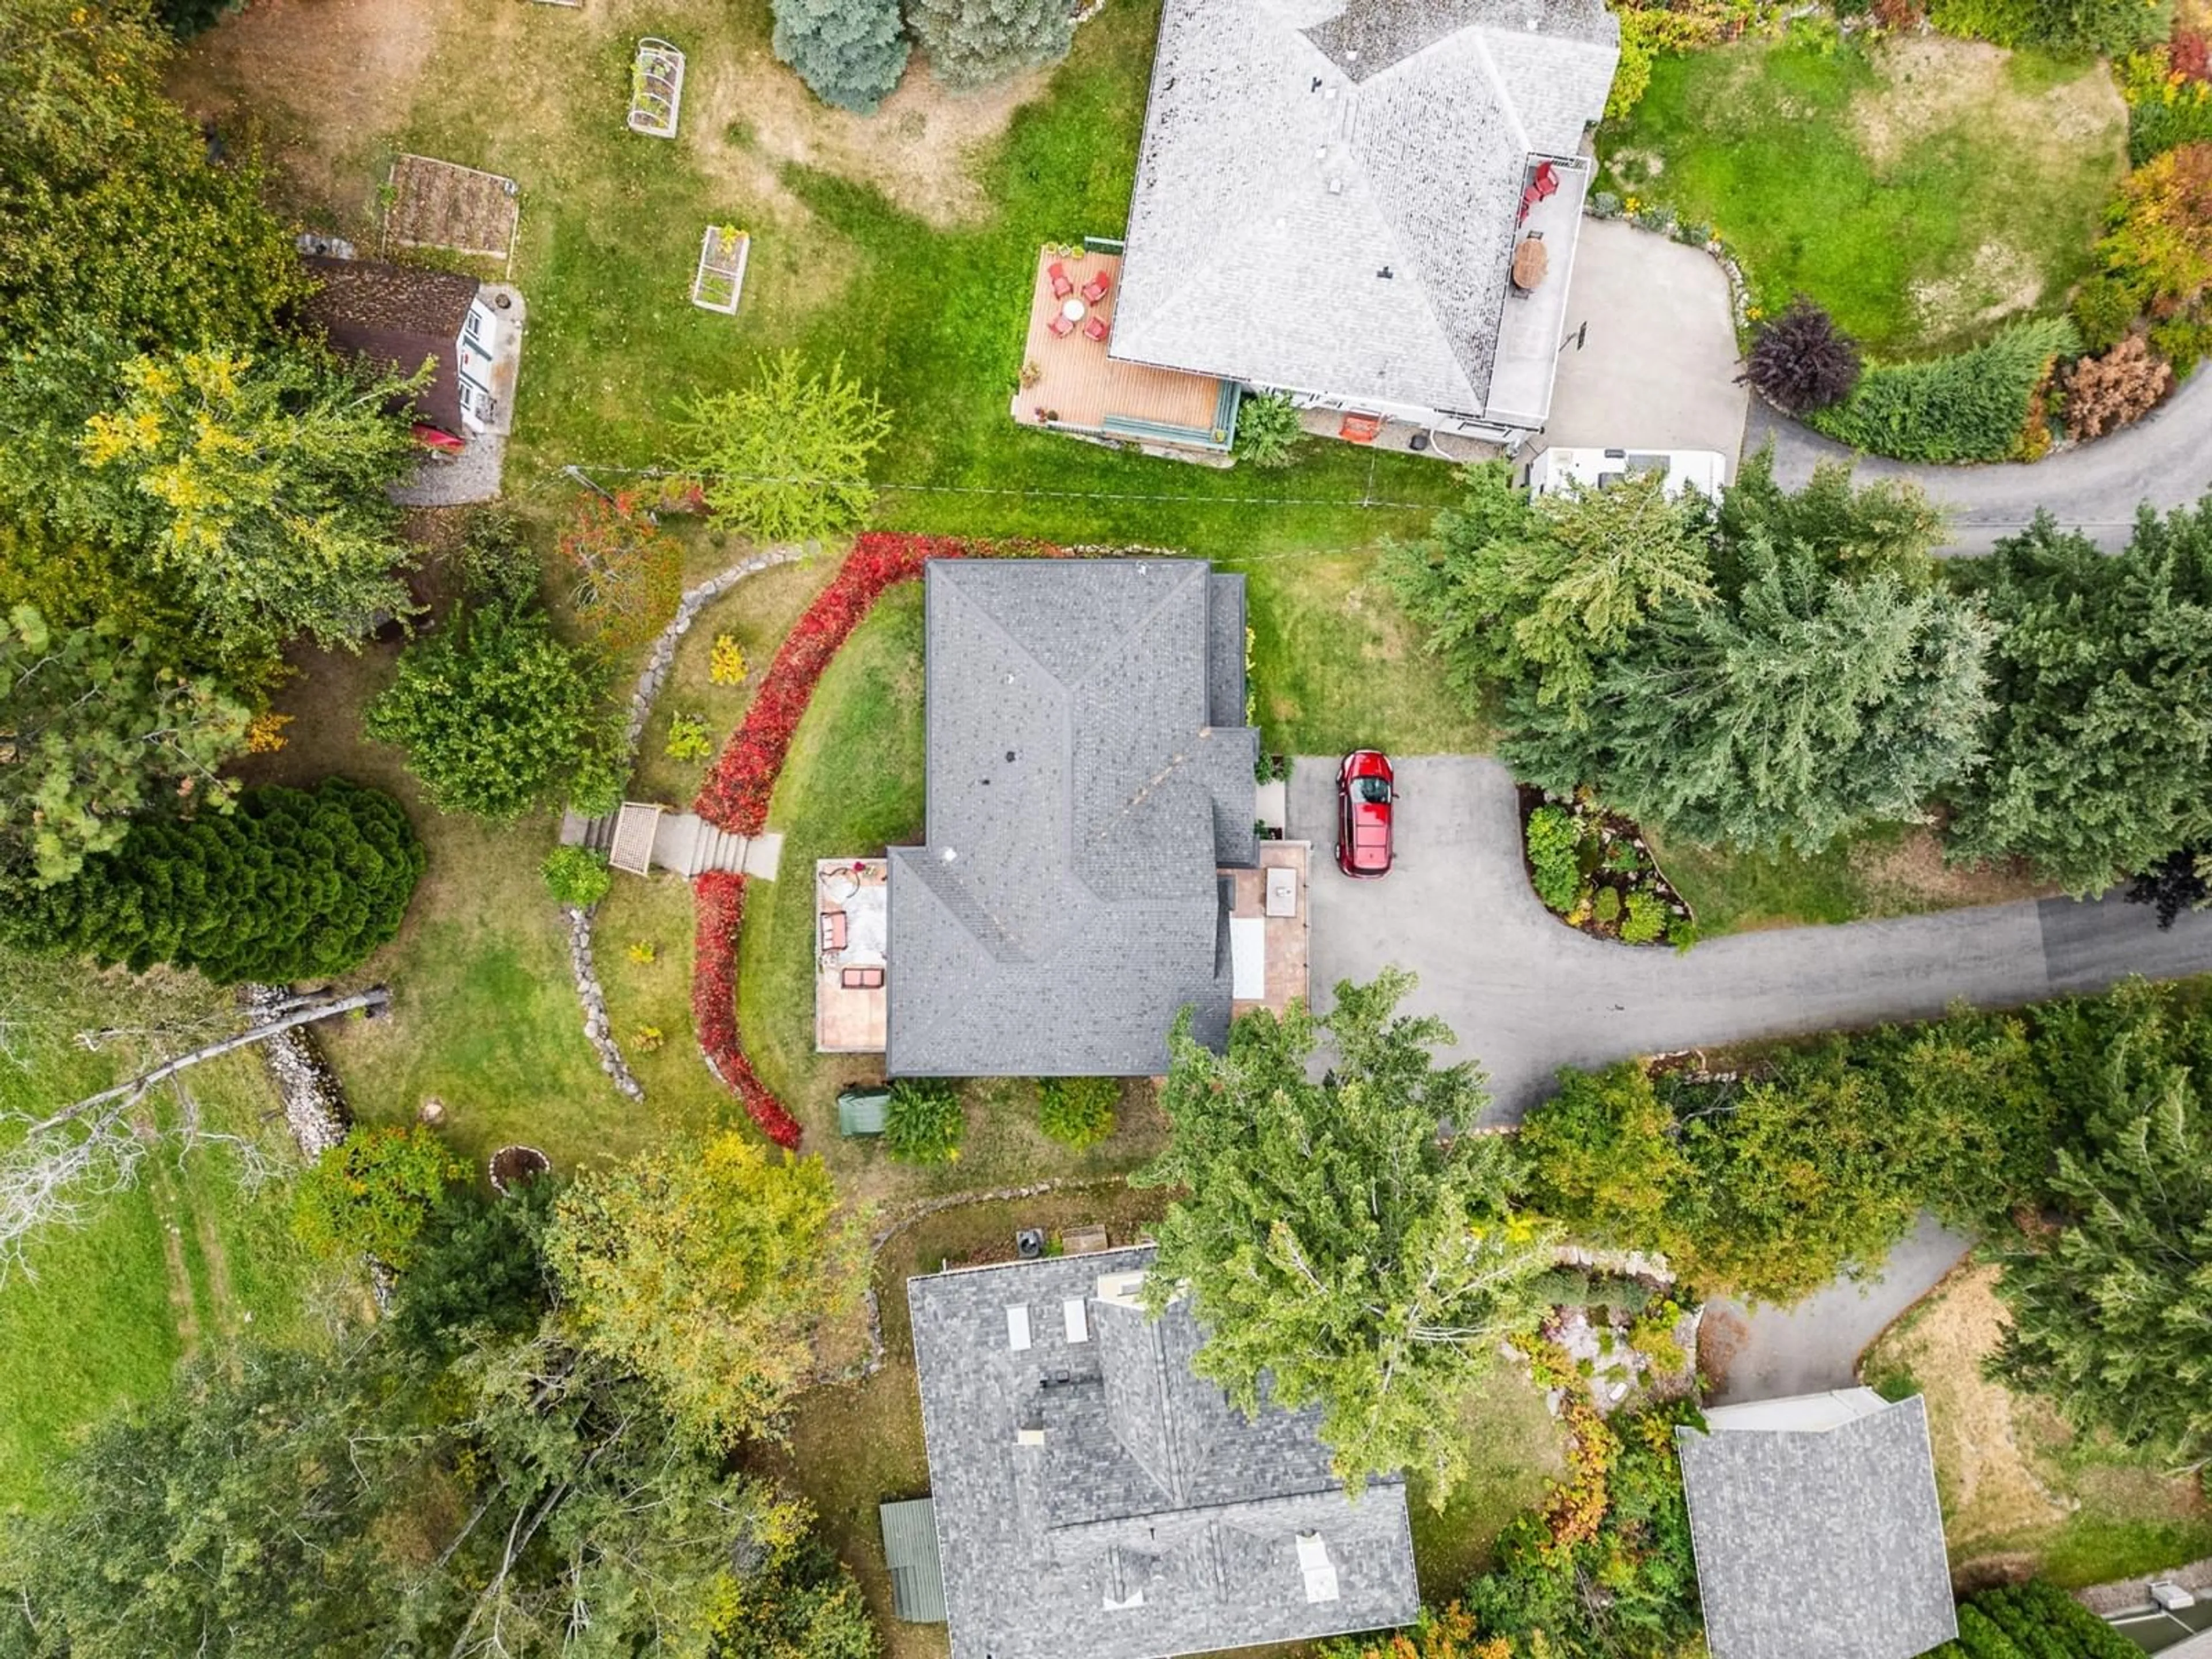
656	88
721	279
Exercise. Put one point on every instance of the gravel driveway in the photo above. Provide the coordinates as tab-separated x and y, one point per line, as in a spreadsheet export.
1525	994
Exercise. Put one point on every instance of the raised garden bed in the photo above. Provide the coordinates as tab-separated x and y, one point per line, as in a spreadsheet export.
656	88
720	282
1593	869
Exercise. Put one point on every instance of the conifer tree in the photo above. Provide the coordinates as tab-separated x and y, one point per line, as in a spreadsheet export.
972	43
850	53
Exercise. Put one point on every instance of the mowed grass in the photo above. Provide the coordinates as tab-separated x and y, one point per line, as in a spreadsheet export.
1921	191
2020	1488
1514	1451
189	1260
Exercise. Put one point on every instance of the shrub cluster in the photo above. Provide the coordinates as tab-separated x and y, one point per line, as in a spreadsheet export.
374	1193
719	897
2034	1620
293	884
924	1122
1970	406
577	876
2120	387
1078	1111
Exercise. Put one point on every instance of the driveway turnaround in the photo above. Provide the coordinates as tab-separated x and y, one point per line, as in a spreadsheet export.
1656	365
1771	1353
2165	460
1526	994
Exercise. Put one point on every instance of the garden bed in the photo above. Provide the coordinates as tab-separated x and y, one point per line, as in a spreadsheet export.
656	88
1595	870
720	282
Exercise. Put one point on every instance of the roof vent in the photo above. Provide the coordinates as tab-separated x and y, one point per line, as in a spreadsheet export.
1319	1572
1074	1313
1009	757
1315	87
1384	273
1017	1327
1029	1436
1336	186
950	855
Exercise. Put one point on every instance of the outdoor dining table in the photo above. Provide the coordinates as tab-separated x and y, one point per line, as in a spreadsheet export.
1073	310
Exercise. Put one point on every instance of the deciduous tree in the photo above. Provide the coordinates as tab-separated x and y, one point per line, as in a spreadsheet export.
373	1195
705	1267
786	459
1345	1244
495	711
850	53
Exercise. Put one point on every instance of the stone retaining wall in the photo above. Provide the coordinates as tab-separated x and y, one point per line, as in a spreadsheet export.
594	998
315	1107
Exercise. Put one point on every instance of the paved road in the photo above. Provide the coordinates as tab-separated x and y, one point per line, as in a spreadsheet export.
1526	994
2165	460
1770	1353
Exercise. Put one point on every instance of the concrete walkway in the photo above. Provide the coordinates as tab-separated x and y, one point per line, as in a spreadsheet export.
2165	460
1526	994
1770	1353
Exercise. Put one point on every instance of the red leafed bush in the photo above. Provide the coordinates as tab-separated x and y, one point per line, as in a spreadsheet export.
2190	56
720	897
737	792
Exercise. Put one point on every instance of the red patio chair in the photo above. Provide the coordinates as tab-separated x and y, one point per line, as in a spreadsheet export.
1546	181
833	930
1061	326
1061	287
1096	328
1095	290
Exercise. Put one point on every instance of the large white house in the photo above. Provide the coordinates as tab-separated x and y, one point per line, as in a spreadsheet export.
1370	205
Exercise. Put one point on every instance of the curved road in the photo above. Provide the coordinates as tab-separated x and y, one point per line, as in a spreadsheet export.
1526	994
2165	460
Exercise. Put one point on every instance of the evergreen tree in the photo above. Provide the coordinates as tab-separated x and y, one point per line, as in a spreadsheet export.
2109	1317
850	53
95	730
2102	674
972	43
1811	705
293	884
1345	1243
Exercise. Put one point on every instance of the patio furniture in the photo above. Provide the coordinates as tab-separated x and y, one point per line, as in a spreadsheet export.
1060	327
1074	311
861	979
1541	188
1061	286
1530	263
833	930
1095	290
1096	328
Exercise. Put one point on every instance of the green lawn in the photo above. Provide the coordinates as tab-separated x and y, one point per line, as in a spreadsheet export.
1514	1451
1921	192
189	1260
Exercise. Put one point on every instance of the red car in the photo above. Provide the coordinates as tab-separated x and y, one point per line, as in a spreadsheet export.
1364	791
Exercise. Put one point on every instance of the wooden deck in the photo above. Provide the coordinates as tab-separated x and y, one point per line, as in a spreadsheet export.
1079	386
1288	938
846	1020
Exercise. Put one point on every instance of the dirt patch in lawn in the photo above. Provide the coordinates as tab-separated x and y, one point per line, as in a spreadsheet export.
1909	874
1990	1491
291	63
755	117
1935	83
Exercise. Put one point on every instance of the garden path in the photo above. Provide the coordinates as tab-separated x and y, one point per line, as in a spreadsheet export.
2165	459
1526	994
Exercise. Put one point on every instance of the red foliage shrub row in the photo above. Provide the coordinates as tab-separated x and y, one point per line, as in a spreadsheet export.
720	897
737	792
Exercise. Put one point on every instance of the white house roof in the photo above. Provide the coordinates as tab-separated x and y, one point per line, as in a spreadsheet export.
1328	190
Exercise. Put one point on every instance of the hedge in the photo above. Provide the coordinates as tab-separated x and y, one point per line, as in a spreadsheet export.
1970	406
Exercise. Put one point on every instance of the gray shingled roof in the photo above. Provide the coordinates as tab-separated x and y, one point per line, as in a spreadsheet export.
1294	150
1822	1543
1147	1483
1064	907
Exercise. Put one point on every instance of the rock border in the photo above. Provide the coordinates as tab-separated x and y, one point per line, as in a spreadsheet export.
644	692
